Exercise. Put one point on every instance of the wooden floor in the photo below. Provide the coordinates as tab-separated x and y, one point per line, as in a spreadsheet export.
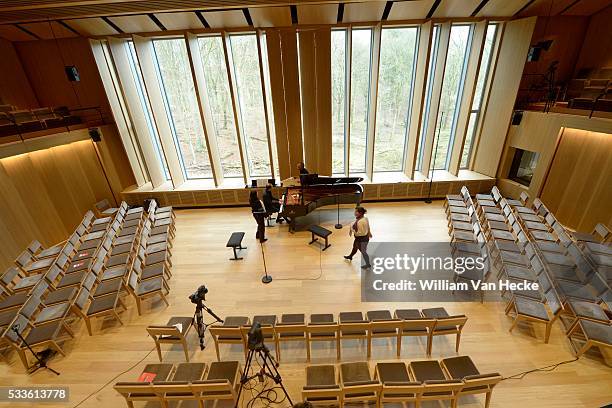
309	281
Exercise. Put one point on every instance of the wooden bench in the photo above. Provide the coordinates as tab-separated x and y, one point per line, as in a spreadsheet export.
235	242
318	231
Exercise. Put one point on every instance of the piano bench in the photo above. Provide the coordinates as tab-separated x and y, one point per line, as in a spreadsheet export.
318	231
235	242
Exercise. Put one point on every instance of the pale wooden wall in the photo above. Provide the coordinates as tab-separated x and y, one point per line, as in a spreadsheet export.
542	133
46	192
596	51
15	88
505	84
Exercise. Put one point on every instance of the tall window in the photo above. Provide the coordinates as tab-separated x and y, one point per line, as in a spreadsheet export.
251	101
452	90
266	81
397	57
338	92
146	106
361	61
179	90
483	74
431	70
215	73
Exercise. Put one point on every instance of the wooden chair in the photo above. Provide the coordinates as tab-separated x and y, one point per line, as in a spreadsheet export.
354	327
463	368
99	307
229	332
104	209
600	234
534	311
292	327
436	385
382	325
147	289
321	386
357	384
173	332
322	327
397	385
594	334
179	387
445	325
269	333
413	324
220	383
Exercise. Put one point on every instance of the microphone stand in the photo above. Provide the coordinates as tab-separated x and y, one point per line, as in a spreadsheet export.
432	166
338	225
40	362
266	278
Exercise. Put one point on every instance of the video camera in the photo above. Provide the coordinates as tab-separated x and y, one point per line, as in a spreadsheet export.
256	339
199	295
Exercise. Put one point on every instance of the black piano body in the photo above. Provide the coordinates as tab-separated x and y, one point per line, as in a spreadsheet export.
317	191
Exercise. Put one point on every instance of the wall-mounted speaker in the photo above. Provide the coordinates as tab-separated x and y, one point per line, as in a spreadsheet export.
95	134
72	73
517	116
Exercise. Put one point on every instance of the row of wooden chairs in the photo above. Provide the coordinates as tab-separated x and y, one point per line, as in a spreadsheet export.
426	323
415	382
169	384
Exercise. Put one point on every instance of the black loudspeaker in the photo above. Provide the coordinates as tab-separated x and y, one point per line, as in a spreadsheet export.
95	134
534	54
517	116
72	73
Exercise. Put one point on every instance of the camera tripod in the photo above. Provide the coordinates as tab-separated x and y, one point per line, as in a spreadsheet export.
41	357
199	321
268	369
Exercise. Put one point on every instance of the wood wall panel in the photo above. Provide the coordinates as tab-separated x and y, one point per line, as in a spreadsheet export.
596	51
15	88
45	194
578	188
509	67
43	63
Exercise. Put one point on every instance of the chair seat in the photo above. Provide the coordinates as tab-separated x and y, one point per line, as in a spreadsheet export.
149	286
456	203
114	273
117	260
495	217
392	372
61	295
235	321
107	287
184	322
321	318
427	370
460	367
597	331
223	370
320	376
158	247
102	304
52	312
71	279
41	334
152	271
355	372
125	239
464	235
544	236
408	314
524	210
49	252
121	249
435	313
17	299
504	235
518	272
531	308
7	316
156	257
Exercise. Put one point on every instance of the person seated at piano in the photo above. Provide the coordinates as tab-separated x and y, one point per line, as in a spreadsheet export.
259	213
302	169
271	203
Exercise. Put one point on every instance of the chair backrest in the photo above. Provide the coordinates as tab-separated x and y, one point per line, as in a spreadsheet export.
20	323
553	302
322	328
441	389
23	259
226	334
89	280
81	299
133	281
544	283
474	382
39	289
102	205
603	232
88	218
34	247
355	329
599	284
298	329
169	331
537	203
53	273
417	327
62	261
524	197
9	275
30	307
442	323
213	389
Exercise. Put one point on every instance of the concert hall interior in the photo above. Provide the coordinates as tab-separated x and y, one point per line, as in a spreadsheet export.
262	203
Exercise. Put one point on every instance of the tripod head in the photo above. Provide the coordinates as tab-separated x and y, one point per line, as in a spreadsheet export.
256	338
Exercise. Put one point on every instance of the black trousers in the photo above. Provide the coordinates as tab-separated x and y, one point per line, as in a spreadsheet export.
261	226
361	244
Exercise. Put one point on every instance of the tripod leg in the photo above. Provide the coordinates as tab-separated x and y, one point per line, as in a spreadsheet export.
244	377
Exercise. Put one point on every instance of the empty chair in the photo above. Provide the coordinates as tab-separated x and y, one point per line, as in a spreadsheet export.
173	332
396	384
292	327
592	334
445	324
229	332
463	368
436	385
321	386
414	325
526	309
220	382
354	326
382	325
357	384
322	327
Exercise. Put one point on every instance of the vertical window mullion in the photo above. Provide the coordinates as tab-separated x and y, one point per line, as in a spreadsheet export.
372	99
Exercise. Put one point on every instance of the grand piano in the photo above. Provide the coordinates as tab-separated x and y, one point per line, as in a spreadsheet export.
311	191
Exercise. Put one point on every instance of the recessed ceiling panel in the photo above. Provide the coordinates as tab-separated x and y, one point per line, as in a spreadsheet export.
92	26
12	33
410	10
135	24
317	13
501	8
270	16
454	8
179	21
224	19
370	11
48	30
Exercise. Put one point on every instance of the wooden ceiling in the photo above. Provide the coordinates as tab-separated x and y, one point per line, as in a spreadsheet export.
47	19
